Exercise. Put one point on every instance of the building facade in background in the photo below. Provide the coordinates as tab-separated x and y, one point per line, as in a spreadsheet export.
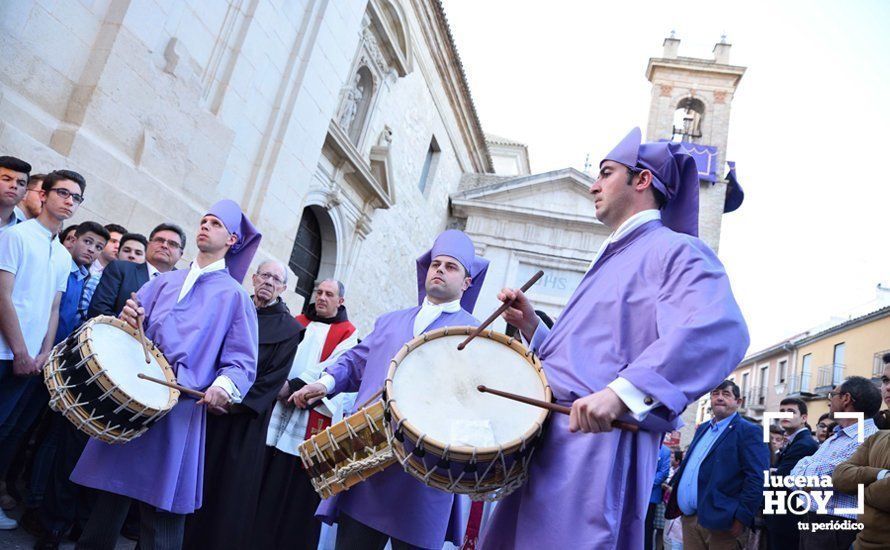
810	364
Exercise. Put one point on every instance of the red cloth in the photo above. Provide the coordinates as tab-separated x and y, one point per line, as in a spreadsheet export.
471	538
338	332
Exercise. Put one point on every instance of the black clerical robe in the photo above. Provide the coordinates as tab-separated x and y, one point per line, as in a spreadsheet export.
233	460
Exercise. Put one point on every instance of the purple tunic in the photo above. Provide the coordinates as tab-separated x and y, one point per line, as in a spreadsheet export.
657	310
211	332
392	501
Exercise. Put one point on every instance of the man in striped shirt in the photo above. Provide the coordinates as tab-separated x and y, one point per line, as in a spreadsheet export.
859	395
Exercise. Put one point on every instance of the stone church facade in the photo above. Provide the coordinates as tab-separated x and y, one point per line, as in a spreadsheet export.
353	116
345	129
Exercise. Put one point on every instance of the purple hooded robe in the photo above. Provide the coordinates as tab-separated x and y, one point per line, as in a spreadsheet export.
392	501
656	309
212	331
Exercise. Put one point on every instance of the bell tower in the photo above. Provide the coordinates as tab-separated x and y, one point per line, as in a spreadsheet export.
691	100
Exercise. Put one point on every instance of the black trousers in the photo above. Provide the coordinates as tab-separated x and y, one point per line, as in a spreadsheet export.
65	501
158	530
827	539
649	528
354	535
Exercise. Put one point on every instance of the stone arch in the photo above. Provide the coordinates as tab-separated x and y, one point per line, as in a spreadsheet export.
688	121
398	24
314	253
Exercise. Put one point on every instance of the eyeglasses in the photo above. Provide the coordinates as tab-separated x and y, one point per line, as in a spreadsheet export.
64	193
835	393
270	276
169	242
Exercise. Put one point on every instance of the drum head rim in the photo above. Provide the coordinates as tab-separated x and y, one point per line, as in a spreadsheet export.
104	379
464	451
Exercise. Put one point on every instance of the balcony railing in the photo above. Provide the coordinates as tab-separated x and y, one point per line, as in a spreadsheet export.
829	377
755	398
798	383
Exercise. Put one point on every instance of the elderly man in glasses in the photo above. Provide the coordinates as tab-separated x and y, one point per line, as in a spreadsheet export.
236	433
121	278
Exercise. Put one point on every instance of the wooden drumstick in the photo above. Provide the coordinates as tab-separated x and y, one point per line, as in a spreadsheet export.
141	330
553	407
491	318
183	389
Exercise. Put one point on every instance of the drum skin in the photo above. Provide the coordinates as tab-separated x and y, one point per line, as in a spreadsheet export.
91	381
449	435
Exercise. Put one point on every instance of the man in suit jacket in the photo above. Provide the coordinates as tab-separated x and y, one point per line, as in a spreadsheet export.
719	486
782	529
121	278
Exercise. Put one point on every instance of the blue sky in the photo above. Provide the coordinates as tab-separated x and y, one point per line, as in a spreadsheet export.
809	125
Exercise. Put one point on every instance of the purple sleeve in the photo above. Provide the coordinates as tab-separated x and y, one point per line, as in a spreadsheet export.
147	295
350	366
238	357
702	334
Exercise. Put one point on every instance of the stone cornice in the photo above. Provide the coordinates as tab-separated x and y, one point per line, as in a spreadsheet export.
444	53
689	63
582	180
340	144
463	208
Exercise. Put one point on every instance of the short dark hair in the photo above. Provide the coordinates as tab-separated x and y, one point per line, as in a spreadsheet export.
824	416
732	386
866	397
660	199
801	404
138	237
34	179
15	164
678	454
886	358
63	234
56	176
169	227
115	228
776	429
92	227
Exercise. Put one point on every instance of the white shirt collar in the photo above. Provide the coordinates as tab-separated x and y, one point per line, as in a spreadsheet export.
625	228
152	270
429	312
195	272
214	266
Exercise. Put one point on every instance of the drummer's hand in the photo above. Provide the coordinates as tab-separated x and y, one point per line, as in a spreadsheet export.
595	413
131	312
308	395
520	314
24	365
215	396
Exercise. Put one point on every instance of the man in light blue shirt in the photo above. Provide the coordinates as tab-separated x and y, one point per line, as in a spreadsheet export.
718	489
687	495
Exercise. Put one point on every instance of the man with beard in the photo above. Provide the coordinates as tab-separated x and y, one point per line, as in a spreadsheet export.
236	433
287	500
392	505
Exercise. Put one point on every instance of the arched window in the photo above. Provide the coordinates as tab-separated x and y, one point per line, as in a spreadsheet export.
688	119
